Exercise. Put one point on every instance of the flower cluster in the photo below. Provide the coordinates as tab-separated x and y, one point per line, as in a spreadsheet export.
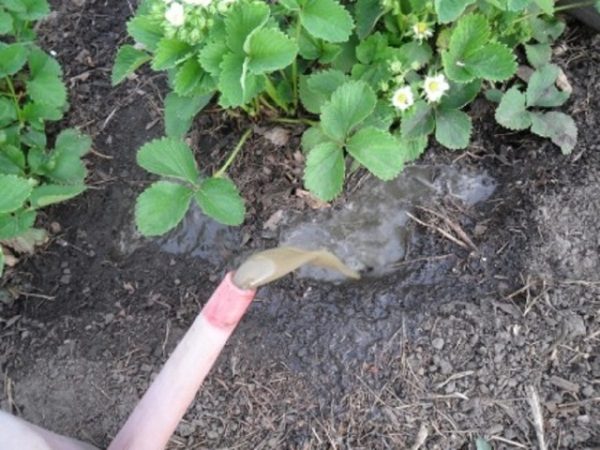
434	88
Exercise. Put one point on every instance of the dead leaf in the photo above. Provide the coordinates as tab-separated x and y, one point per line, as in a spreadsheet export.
312	201
277	136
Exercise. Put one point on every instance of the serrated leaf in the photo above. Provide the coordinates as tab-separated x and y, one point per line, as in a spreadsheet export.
546	5
191	79
541	88
378	151
12	160
557	126
12	225
546	30
382	117
418	121
312	137
169	157
317	88
211	57
32	9
35	112
327	20
47	89
453	128
65	165
325	171
413	149
6	22
12	58
349	105
233	92
242	19
220	199
460	94
367	13
511	112
48	194
7	111
414	55
268	50
538	55
161	207
181	111
14	191
145	31
170	52
449	10
127	61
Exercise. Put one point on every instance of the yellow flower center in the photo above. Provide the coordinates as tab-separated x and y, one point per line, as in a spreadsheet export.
422	27
434	86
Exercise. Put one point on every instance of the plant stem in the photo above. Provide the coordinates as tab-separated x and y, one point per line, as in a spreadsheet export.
272	93
219	173
558	9
15	99
291	120
295	67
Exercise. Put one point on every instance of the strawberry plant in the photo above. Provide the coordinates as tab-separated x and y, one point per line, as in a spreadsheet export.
374	80
31	94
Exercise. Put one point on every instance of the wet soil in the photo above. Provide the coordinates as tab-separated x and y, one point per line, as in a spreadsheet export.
450	344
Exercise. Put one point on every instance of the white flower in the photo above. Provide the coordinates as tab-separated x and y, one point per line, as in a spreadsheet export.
403	98
435	87
422	30
203	3
175	14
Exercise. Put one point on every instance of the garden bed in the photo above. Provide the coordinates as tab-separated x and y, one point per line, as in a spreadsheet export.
442	347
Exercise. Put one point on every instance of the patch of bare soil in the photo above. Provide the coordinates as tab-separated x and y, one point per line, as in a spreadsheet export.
501	342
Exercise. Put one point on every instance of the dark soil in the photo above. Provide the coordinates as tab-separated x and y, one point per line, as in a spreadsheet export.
447	347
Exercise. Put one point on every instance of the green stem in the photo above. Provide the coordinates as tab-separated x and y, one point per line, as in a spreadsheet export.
291	120
558	9
272	93
233	154
295	67
15	98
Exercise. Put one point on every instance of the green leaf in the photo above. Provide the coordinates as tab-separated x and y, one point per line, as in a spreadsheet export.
161	207
12	58
32	9
7	111
482	444
190	78
169	157
327	20
538	55
14	191
453	128
45	85
220	199
367	13
35	112
419	121
316	89
237	87
6	23
170	52
12	225
128	60
541	89
181	111
268	50
48	194
546	30
145	31
450	10
350	104
312	137
460	94
557	126
325	171
511	112
378	151
546	5
470	55
65	165
413	149
12	160
414	55
242	19
211	57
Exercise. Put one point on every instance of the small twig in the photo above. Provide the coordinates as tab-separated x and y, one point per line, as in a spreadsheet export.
100	155
507	441
454	226
421	437
538	419
439	230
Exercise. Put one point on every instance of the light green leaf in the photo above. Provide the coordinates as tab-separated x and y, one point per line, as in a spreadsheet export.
453	128
12	160
546	5
65	165
317	88
482	444
48	194
161	207
181	111
145	31
6	22
14	191
211	57
220	199
367	13
327	20
33	9
7	111
12	58
170	52
414	55
538	55
419	121
169	157
546	30
350	104
541	89
557	126
242	19
413	149
189	78
460	94
12	225
127	61
268	50
45	85
38	113
312	137
233	92
378	151
325	171
511	112
449	10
